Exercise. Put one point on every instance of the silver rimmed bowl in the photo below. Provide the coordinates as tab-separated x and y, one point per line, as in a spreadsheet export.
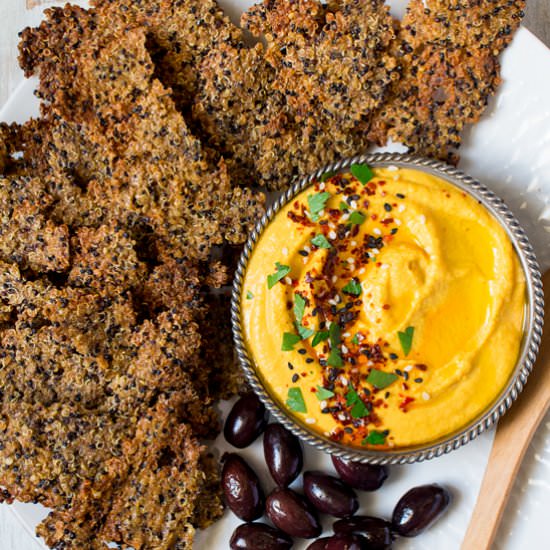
532	324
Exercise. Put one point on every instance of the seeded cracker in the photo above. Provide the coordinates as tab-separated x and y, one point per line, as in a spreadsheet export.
449	53
119	105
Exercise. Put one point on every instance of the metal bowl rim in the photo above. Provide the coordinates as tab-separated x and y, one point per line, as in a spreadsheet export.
533	322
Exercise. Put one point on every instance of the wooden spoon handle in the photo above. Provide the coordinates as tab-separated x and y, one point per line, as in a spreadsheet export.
514	432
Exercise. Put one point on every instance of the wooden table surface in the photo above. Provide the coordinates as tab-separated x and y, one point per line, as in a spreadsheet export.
17	14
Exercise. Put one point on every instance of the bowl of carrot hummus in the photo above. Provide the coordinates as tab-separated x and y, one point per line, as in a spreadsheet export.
387	308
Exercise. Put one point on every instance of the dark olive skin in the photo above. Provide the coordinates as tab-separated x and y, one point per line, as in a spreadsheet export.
245	422
366	477
293	514
419	508
330	495
283	454
259	536
318	544
376	531
346	542
241	488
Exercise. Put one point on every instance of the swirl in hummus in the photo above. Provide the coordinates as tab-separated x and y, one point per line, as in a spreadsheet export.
384	308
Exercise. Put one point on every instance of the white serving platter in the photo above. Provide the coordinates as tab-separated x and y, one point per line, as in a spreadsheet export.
509	150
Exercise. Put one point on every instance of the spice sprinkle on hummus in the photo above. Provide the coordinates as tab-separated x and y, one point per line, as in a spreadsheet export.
384	307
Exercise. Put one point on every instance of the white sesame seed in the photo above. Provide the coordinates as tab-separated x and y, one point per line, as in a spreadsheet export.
328	323
344	349
341	417
304	261
323	404
397	222
307	249
346	334
361	271
392	168
377	231
288	280
385	266
422	219
425	396
408	368
332	235
353	243
306	212
337	299
332	302
285	251
375	251
370	363
321	213
334	278
401	208
350	260
322	185
360	337
310	420
345	217
343	380
353	204
331	225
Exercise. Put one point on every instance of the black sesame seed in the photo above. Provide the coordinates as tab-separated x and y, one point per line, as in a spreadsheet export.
393	356
387	207
398	372
418	380
387	394
302	351
290	366
394	231
400	196
295	378
309	360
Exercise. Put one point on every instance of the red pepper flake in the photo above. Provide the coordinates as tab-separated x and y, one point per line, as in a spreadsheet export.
422	367
374	216
386	306
387	221
407	401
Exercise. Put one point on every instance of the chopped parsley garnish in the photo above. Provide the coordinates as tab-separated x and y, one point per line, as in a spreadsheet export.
320	241
406	339
375	438
327	175
304	332
335	357
362	172
321	336
289	341
343	206
358	408
299	307
281	273
295	401
380	379
355	339
323	393
249	295
316	203
357	218
353	287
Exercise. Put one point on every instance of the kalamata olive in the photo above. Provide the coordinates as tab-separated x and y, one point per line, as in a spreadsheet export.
259	536
245	422
330	495
241	488
283	454
366	477
293	514
346	542
376	531
419	508
318	544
